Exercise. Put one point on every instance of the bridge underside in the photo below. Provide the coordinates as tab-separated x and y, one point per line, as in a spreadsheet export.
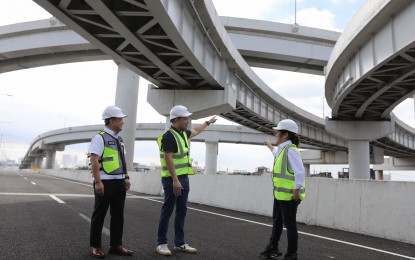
130	33
246	117
378	93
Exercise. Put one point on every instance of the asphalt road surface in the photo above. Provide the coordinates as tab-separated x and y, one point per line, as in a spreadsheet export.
44	217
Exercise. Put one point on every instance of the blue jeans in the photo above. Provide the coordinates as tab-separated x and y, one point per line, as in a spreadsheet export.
285	212
167	209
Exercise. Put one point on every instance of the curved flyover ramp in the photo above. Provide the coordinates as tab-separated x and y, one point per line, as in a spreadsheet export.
46	144
162	42
371	70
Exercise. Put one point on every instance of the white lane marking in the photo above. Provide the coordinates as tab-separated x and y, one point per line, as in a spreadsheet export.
25	178
45	194
258	223
57	199
33	183
67	180
304	233
104	229
129	196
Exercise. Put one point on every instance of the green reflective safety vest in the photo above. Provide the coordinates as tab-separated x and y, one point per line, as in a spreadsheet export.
181	158
283	176
111	160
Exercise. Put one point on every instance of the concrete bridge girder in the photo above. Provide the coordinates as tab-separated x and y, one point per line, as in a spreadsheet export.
398	164
338	157
324	157
201	103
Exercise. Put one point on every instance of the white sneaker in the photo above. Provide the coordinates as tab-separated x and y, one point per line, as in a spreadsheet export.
185	248
163	250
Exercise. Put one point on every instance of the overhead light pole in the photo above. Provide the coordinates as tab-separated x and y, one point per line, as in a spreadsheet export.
295	27
64	126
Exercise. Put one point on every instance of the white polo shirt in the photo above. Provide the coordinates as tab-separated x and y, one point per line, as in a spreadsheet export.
295	162
97	147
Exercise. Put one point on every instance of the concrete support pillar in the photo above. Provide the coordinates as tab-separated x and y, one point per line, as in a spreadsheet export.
38	162
359	134
379	175
50	159
168	124
307	170
211	158
359	160
126	97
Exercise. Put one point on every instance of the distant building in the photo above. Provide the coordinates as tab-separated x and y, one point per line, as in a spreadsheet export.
344	174
68	161
241	172
261	170
7	162
142	167
322	174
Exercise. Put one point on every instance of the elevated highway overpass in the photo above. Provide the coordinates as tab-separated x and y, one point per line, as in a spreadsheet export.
55	43
47	144
370	71
216	68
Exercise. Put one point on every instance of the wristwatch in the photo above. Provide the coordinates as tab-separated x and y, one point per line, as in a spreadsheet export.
207	123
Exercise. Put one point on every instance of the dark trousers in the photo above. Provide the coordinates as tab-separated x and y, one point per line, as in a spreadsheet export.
114	197
285	213
167	209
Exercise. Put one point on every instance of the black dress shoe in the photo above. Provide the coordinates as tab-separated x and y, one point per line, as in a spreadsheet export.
97	252
270	251
119	250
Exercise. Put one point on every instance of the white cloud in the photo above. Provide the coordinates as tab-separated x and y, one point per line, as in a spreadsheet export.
304	90
312	17
21	11
338	2
247	9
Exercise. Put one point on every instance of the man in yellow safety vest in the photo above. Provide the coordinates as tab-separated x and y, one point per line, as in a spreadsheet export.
111	182
176	166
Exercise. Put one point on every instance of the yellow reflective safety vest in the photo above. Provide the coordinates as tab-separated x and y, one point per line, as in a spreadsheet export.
111	161
283	176
181	158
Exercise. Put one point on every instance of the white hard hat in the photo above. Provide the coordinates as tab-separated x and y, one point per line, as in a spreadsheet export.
179	111
112	111
287	124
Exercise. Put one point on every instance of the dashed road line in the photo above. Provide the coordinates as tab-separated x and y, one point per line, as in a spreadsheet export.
67	180
105	230
33	183
57	199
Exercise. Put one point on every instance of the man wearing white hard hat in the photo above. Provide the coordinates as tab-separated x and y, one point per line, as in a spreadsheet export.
288	177
176	166
111	182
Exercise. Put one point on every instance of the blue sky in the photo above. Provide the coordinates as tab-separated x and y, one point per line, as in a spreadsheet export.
48	98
